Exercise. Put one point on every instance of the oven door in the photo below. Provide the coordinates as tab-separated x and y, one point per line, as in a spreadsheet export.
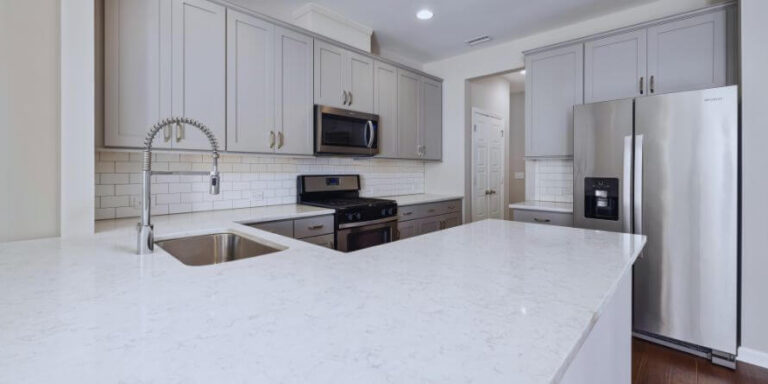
354	236
343	132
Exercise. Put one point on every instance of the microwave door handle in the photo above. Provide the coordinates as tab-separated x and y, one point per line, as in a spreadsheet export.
370	133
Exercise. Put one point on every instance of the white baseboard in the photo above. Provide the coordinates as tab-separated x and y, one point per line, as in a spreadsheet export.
752	356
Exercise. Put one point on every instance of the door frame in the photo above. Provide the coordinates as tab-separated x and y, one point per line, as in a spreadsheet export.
504	175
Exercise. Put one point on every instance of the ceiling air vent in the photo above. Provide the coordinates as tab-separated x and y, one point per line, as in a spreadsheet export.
478	40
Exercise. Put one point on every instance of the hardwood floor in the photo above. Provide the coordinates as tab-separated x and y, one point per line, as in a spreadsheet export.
654	364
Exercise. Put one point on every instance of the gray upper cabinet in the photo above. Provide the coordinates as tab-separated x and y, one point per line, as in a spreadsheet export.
293	92
688	54
250	83
253	82
198	70
614	67
343	79
431	138
385	105
554	84
408	109
359	82
137	72
329	75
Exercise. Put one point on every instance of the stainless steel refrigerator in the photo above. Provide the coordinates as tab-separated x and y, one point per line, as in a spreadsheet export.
666	166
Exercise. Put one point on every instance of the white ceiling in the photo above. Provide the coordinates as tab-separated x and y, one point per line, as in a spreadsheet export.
400	34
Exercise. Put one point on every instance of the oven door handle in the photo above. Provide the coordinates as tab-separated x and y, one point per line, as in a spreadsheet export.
366	223
370	133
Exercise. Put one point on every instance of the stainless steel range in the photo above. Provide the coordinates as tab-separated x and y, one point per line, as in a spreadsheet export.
359	222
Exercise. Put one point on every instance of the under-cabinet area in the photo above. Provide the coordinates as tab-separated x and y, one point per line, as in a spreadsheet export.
253	81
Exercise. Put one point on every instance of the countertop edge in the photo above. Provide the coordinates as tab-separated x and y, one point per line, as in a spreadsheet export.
527	206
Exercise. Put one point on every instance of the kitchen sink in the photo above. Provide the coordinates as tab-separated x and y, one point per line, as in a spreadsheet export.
214	248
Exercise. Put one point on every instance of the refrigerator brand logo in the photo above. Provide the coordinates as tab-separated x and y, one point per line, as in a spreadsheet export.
714	99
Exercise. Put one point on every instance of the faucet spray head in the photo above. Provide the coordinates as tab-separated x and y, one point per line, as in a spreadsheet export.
215	180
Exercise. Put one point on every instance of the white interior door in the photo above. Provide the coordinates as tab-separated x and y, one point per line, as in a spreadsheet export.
487	166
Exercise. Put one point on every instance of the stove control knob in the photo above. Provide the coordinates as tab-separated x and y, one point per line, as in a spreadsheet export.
358	216
383	212
391	211
350	217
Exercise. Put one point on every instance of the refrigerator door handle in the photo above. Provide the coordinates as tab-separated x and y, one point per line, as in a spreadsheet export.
626	188
638	185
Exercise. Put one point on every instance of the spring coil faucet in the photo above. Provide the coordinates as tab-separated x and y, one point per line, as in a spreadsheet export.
146	239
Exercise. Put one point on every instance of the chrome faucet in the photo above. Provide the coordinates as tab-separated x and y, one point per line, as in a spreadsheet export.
146	242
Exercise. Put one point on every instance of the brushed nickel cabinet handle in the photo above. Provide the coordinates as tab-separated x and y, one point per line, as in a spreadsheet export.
179	132
536	219
167	133
407	213
350	98
281	140
315	227
642	80
271	139
344	97
653	84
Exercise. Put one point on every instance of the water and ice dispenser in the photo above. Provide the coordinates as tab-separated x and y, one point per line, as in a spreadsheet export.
601	198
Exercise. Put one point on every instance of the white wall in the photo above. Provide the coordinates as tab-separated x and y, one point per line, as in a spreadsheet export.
489	94
77	117
29	119
441	177
754	269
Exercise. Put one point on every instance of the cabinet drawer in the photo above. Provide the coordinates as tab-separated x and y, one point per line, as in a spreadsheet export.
313	226
541	217
408	212
450	220
284	228
322	240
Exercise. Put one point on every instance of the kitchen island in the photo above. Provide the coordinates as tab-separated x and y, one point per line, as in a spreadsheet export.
489	302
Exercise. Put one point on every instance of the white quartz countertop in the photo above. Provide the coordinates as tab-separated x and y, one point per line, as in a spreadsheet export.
489	302
422	198
546	206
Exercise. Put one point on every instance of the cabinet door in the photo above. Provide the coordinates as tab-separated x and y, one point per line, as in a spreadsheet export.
385	105
554	84
329	75
614	67
250	83
431	129
137	72
293	54
198	70
406	229
687	54
359	80
408	86
450	220
428	224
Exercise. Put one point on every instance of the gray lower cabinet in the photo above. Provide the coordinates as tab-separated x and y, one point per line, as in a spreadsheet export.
316	230
554	84
420	219
543	217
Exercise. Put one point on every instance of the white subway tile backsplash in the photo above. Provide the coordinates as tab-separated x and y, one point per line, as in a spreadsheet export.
247	180
552	180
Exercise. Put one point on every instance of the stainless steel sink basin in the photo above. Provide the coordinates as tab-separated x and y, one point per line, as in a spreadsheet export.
214	248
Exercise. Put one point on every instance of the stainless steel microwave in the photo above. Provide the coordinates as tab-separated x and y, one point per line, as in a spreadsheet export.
343	132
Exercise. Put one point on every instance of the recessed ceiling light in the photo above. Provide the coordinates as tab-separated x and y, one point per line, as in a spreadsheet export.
522	72
424	14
